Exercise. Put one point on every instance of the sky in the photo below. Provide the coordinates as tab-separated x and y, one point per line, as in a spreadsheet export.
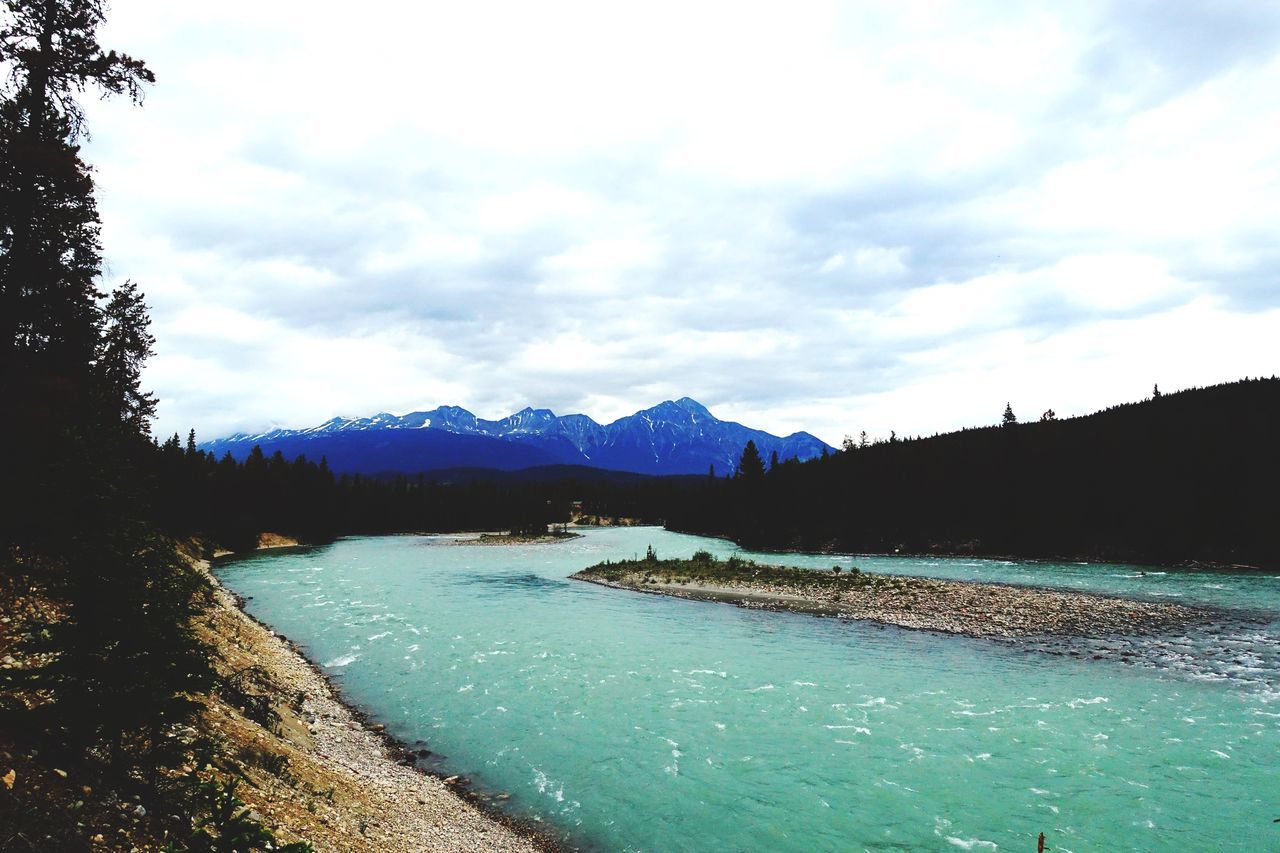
830	217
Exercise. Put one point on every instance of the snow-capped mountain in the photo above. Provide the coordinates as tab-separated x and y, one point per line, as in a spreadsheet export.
674	437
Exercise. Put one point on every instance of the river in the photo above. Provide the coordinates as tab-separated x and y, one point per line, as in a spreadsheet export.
625	721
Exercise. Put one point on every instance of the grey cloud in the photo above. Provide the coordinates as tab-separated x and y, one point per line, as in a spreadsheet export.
731	256
1159	47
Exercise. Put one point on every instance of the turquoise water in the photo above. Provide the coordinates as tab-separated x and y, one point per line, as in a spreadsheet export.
637	722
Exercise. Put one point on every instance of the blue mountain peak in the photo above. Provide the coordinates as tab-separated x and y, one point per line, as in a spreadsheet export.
693	407
674	437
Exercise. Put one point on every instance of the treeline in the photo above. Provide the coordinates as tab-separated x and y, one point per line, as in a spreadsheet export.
229	503
1178	477
1184	476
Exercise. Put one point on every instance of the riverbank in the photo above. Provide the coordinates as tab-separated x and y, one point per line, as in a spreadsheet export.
320	773
954	607
519	539
266	542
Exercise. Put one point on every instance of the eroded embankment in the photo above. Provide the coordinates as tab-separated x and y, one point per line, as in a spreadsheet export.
321	774
954	607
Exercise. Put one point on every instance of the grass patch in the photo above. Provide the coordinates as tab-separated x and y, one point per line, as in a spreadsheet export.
704	569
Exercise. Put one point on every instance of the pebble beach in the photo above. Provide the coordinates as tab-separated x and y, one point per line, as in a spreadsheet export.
953	607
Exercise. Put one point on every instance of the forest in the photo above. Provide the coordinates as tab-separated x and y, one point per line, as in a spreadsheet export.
1180	477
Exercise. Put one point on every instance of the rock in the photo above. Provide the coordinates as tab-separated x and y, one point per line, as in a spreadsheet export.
9	778
140	810
61	773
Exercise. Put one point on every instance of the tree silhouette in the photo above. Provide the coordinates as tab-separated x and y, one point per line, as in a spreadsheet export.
750	466
49	249
125	664
1008	418
123	349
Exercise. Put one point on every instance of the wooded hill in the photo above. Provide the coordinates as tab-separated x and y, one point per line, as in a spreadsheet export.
1186	476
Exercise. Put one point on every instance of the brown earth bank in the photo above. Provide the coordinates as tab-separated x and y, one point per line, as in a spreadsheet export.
344	784
307	767
266	541
954	607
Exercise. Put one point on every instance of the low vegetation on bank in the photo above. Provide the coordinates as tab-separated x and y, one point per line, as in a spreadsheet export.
523	538
704	569
956	607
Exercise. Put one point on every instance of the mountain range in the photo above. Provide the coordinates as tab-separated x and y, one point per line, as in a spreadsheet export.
674	437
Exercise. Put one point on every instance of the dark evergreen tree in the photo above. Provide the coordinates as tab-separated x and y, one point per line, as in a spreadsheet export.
124	347
750	466
49	249
1008	418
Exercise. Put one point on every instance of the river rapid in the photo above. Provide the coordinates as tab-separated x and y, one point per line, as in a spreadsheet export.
625	721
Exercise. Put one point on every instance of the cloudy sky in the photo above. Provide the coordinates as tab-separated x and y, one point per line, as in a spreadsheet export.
830	217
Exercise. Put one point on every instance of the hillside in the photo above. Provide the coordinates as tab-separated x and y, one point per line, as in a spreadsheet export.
1184	476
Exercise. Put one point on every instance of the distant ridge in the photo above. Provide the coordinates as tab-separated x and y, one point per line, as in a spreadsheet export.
673	437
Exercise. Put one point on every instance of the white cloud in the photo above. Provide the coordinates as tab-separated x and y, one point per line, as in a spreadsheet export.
830	217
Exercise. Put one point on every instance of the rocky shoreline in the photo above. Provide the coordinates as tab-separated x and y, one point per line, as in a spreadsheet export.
954	607
348	785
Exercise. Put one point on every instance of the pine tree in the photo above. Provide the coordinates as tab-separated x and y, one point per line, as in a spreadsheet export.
124	347
1008	418
750	466
50	255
